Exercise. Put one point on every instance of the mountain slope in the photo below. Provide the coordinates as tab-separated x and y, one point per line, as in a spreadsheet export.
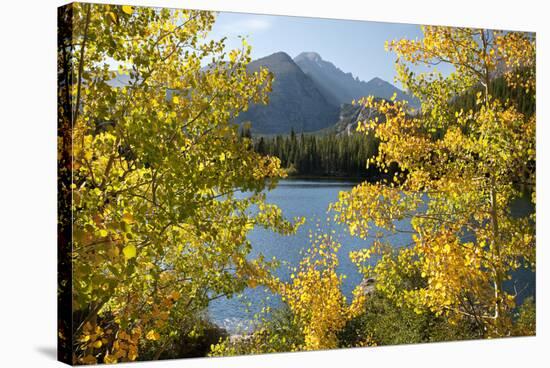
350	116
340	87
294	103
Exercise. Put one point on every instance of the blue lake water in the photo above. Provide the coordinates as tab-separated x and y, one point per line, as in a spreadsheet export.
309	199
303	198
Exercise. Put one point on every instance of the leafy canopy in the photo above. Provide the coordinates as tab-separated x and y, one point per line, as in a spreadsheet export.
460	173
159	230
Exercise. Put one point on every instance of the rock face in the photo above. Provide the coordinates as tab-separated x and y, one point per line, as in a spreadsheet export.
294	103
382	89
340	87
367	286
350	116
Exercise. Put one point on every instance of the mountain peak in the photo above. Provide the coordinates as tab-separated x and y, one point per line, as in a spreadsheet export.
279	56
310	55
279	62
377	81
340	87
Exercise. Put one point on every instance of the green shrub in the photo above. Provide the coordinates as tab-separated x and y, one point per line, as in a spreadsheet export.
526	319
192	340
275	334
385	323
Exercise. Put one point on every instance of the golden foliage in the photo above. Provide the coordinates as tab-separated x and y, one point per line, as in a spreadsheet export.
314	295
158	227
460	173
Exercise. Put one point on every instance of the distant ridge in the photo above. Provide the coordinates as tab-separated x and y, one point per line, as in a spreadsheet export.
309	95
340	87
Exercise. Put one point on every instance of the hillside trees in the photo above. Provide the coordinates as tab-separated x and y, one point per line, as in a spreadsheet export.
462	170
149	167
321	155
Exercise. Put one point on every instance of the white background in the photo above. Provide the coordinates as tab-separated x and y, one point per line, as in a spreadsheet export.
28	181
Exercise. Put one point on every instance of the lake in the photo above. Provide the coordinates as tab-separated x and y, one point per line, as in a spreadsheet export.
309	199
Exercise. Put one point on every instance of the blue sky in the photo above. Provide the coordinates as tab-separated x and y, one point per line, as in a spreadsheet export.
353	46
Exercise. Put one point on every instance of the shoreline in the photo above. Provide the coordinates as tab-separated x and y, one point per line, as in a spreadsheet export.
358	179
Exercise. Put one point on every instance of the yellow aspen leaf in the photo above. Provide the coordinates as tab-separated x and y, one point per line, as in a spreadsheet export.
128	9
115	20
127	218
152	335
89	359
129	251
109	359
